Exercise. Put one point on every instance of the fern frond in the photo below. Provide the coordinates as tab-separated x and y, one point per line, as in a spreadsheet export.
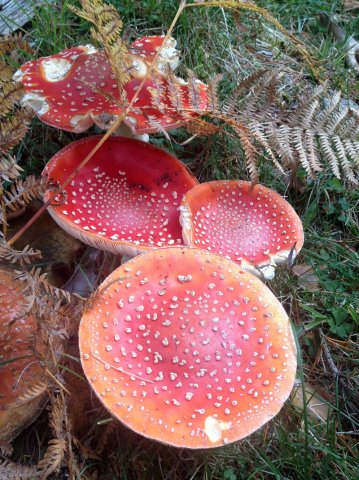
13	471
10	93
14	128
9	169
107	30
250	152
336	119
175	93
301	151
6	448
57	415
311	148
53	457
212	93
198	126
352	149
19	257
13	42
34	392
324	142
194	91
344	161
324	115
259	135
6	73
22	192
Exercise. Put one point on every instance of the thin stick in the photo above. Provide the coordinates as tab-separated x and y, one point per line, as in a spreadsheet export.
103	139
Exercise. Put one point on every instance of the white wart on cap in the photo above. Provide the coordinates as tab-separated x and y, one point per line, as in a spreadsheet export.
251	225
186	348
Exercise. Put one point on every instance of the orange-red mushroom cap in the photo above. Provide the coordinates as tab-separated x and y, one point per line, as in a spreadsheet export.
251	225
127	197
185	347
76	88
20	369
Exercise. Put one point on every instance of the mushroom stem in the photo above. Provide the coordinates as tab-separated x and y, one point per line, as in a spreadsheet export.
124	131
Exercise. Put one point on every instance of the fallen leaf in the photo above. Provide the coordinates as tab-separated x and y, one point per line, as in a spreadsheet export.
316	403
350	5
307	278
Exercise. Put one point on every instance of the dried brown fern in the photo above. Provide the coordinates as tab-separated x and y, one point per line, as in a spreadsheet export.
53	457
319	129
13	471
14	42
20	258
107	29
9	169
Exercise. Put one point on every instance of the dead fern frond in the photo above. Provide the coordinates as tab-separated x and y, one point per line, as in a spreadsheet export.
22	192
14	128
107	30
13	42
34	392
6	73
9	169
212	93
198	126
57	416
6	448
13	471
10	93
319	128
19	257
250	152
53	457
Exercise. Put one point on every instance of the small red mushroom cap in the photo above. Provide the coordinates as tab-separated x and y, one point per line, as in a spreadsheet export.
125	200
76	88
185	347
251	225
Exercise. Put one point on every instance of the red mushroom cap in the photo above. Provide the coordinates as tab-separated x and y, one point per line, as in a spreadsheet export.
125	200
147	47
251	225
73	89
185	347
17	339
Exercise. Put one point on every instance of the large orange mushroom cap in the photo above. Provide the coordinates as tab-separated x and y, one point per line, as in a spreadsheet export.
186	348
251	225
127	197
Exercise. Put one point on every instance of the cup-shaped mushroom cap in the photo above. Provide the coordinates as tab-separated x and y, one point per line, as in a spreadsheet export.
185	347
20	369
76	88
251	225
125	200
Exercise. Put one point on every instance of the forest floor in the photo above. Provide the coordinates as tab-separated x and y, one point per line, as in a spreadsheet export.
316	434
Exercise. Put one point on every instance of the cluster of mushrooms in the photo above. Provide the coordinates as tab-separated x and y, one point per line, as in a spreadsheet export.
183	343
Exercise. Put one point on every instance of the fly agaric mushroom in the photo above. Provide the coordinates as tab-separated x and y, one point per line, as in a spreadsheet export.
125	200
251	225
76	88
185	347
22	386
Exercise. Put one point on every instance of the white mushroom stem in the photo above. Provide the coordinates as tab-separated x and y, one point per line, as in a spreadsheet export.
124	131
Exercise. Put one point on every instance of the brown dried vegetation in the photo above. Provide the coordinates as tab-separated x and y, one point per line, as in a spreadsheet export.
290	135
